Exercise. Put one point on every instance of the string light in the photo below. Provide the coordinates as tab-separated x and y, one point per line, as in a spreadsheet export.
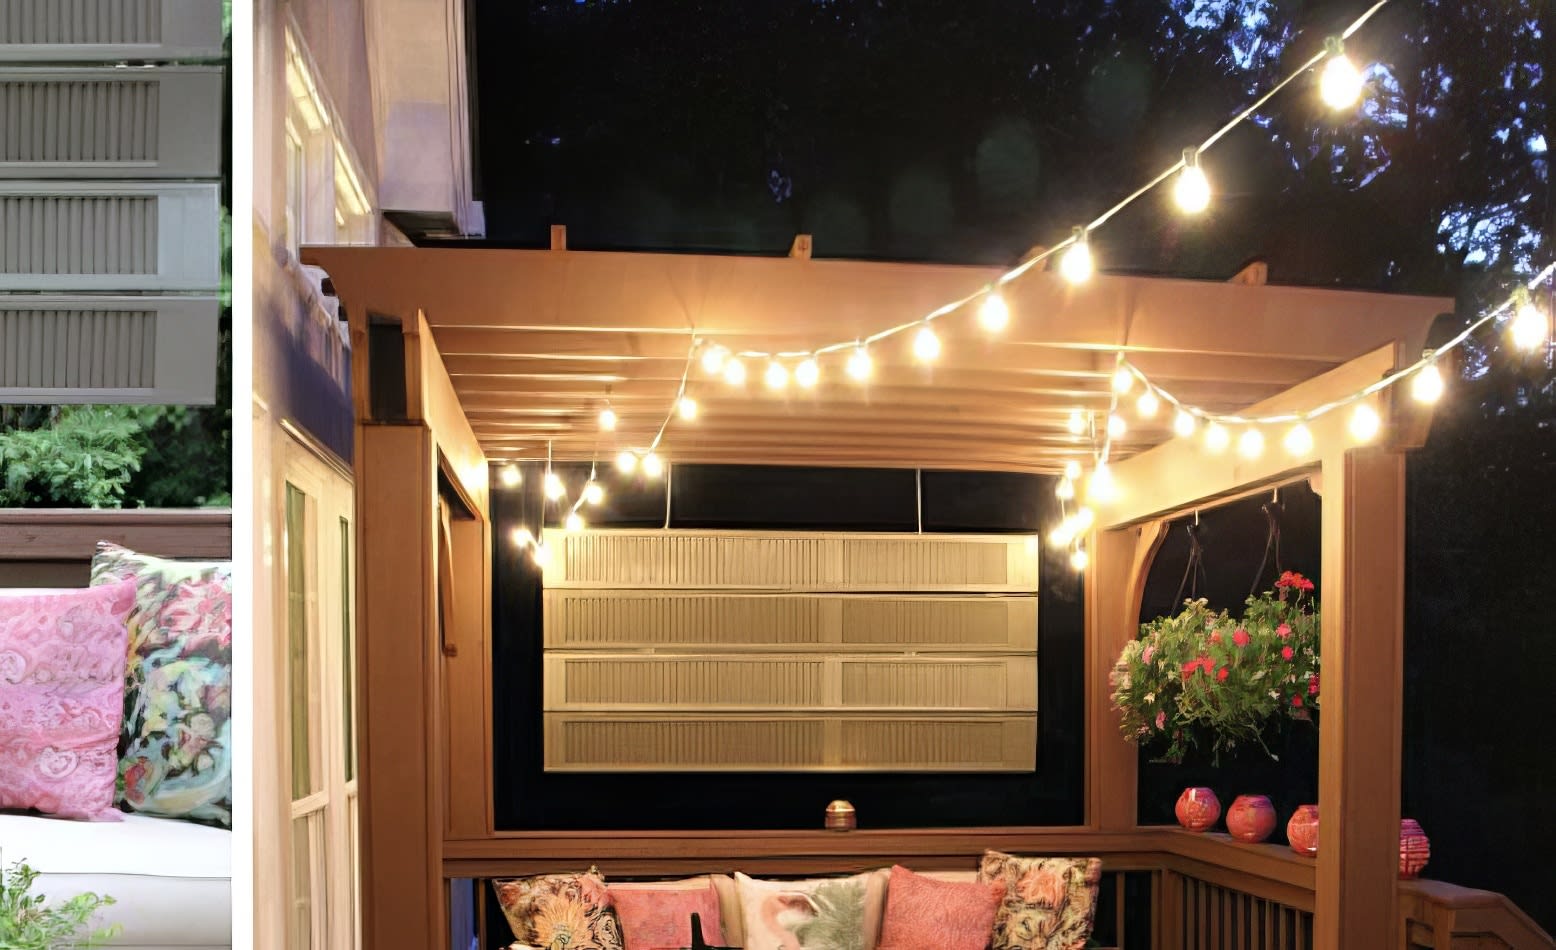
807	374
1117	426
686	408
1217	438
1426	386
522	537
734	372
510	476
593	492
608	419
859	363
713	357
554	486
1365	423
653	465
776	376
1072	470
1077	422
1065	490
574	522
626	462
1341	82
1192	190
1299	440
1084	519
1531	327
541	552
1183	424
1123	380
1148	404
994	314
1100	487
1251	444
1079	560
1076	266
926	346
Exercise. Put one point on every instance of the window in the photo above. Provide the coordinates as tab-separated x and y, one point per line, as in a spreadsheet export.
326	202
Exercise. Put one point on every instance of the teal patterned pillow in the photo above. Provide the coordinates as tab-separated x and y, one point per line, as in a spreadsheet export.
175	750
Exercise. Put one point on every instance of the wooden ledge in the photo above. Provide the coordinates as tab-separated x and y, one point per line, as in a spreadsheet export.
71	534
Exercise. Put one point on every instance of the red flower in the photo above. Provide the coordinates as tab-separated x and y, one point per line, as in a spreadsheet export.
1296	700
1215	636
1312	685
1221	674
1283	631
1287	653
1293	579
1240	637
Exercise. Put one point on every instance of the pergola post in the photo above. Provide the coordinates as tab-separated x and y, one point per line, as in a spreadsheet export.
1359	729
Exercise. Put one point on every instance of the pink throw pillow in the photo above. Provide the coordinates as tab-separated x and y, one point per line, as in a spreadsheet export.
925	914
62	659
655	916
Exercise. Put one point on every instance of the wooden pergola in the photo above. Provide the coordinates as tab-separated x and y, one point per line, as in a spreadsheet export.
498	353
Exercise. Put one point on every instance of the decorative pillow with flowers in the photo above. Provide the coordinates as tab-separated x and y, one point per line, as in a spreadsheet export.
174	753
560	911
1050	903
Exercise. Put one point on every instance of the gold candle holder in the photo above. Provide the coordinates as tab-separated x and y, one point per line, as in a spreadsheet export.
841	816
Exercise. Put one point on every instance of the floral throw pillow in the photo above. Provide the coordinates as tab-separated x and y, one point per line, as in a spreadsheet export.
560	911
1050	903
174	754
819	914
61	697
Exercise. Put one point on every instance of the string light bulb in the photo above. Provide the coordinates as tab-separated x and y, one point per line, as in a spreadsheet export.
1299	440
1531	327
1340	85
554	486
1078	559
1063	533
734	371
522	537
1076	265
1217	438
653	465
713	358
807	374
574	522
1116	426
1192	190
1250	445
1183	424
1072	470
1426	386
926	345
859	363
1100	487
1077	422
686	408
1365	423
626	462
541	553
776	376
510	476
608	419
1148	404
1123	380
593	492
1065	490
994	313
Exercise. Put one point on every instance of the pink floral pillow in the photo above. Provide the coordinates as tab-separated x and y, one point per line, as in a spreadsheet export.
62	656
1050	903
925	914
659	914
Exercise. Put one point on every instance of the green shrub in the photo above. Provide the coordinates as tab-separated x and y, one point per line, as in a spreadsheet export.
26	924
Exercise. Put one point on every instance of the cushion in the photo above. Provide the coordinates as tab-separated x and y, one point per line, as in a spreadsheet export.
659	914
174	758
925	914
62	656
730	917
565	910
1049	902
817	914
171	881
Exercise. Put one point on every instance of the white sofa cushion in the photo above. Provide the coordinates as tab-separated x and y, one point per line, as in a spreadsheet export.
171	880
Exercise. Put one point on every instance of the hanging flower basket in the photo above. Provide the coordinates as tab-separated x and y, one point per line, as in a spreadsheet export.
1201	679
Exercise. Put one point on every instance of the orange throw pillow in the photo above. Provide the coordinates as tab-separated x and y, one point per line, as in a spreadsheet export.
925	914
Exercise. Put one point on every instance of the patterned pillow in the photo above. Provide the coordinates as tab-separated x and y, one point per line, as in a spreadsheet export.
659	914
560	911
925	914
819	914
1049	902
61	699
174	756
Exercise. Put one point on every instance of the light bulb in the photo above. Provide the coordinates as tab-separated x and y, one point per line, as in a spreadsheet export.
1117	426
1217	438
542	555
1183	424
522	537
1099	487
1250	445
1065	490
1341	83
1299	440
1427	384
713	357
859	363
1147	404
1072	470
995	313
776	376
1076	265
626	462
510	476
1062	534
1123	380
1192	189
653	465
686	408
1079	560
554	487
574	522
1531	327
1077	423
608	419
1365	423
1082	520
926	346
807	374
734	372
593	492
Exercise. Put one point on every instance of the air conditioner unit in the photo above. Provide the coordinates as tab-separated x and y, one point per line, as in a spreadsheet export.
101	31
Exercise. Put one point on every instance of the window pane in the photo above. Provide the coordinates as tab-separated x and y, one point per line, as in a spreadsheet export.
348	653
297	639
302	884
